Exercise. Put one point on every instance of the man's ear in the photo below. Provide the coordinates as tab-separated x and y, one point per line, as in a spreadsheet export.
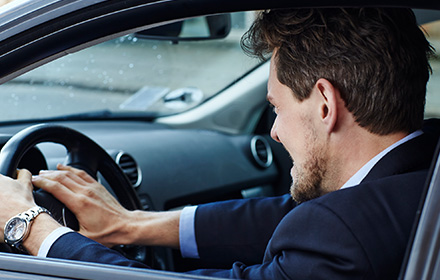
328	109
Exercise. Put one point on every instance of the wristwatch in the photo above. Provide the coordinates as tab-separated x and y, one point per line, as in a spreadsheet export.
18	227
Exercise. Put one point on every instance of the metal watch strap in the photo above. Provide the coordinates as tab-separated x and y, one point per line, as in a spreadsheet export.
32	213
28	216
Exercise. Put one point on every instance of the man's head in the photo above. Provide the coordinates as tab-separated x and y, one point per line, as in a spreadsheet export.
371	63
377	58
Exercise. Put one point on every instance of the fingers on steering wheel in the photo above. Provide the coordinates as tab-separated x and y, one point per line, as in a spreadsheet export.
78	172
66	178
72	178
25	178
65	182
58	190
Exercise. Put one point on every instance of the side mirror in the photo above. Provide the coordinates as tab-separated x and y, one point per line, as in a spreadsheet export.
201	28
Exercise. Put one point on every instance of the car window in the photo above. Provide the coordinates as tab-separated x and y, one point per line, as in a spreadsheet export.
433	88
131	74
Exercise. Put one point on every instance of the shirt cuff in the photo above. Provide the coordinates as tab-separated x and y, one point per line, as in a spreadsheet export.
187	236
50	240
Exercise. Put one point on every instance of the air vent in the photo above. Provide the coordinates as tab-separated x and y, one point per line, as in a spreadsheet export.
261	151
130	168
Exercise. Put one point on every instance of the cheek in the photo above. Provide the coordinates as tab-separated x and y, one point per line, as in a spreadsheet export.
298	148
292	133
290	137
282	128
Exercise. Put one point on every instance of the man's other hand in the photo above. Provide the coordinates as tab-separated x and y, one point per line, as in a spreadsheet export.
101	217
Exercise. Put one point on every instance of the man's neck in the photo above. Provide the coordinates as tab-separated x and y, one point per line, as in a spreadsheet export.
360	175
356	150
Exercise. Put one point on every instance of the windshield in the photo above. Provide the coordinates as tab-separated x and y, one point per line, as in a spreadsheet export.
134	76
131	74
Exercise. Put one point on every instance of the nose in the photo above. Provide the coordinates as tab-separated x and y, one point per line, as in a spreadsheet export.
273	132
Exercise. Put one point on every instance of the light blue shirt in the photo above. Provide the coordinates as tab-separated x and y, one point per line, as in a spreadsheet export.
357	178
187	237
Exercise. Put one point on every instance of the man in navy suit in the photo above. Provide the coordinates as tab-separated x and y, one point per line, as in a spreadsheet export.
348	89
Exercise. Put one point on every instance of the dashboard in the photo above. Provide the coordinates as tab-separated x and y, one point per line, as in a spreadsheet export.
171	168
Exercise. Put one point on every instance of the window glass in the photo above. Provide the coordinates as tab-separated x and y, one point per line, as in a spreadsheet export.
132	74
433	88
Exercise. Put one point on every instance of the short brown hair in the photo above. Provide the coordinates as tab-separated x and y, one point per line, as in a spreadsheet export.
377	58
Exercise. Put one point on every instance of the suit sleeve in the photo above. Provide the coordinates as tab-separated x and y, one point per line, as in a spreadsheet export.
226	232
311	242
238	230
74	246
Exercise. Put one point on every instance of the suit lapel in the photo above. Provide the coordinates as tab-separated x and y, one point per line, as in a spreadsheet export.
414	155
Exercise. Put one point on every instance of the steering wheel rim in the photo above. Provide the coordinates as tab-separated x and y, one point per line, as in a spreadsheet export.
82	152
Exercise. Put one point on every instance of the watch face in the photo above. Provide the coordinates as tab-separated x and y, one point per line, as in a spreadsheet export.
15	229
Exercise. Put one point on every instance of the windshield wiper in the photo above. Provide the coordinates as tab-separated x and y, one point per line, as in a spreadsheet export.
104	115
93	115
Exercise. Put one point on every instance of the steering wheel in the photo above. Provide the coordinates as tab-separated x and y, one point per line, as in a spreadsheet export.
82	153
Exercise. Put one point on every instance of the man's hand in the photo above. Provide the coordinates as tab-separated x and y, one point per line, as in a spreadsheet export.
15	196
100	215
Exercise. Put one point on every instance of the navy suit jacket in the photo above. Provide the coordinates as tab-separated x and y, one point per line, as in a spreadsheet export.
356	233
